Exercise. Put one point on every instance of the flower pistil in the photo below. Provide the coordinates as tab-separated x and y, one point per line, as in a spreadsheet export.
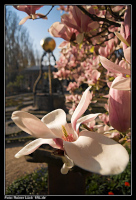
67	136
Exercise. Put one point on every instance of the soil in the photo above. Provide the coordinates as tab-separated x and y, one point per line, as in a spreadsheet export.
17	167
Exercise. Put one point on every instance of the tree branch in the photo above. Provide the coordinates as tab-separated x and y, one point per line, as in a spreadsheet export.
46	14
115	15
95	18
49	11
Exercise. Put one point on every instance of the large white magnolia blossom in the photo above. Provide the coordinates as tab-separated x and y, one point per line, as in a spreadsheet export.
89	150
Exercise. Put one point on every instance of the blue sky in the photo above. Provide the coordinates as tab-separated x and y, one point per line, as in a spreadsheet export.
38	29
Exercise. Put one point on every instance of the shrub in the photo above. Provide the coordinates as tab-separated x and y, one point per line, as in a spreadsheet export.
36	184
104	185
30	184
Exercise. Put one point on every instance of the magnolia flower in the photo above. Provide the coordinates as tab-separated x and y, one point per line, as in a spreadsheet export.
30	10
108	48
76	19
89	150
72	86
124	80
115	136
61	30
119	94
125	32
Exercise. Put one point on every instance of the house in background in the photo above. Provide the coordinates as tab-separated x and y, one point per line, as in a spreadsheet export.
26	78
30	75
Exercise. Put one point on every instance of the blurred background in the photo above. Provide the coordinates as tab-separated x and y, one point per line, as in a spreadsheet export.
22	47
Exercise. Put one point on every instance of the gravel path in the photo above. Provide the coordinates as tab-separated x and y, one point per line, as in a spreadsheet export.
15	168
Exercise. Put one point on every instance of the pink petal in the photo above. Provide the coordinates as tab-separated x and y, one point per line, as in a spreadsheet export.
32	146
54	121
96	153
63	44
102	51
93	25
95	74
56	28
31	124
121	83
28	9
82	106
127	22
120	109
59	143
59	30
24	20
77	15
22	8
122	38
70	130
85	119
127	54
109	84
117	8
113	67
69	21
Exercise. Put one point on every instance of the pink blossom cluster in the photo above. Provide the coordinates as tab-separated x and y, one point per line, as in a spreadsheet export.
76	26
81	57
78	64
109	47
120	88
74	99
92	34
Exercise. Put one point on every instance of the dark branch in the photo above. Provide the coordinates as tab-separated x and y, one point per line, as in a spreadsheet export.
46	14
49	11
115	15
95	18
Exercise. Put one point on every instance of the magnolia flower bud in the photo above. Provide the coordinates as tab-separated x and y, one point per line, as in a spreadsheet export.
120	109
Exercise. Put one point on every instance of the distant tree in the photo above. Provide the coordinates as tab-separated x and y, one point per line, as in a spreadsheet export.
19	52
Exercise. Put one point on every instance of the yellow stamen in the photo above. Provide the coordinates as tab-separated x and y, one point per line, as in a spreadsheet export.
64	131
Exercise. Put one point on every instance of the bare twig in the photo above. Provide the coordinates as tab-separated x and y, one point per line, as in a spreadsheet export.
95	18
115	15
49	11
46	14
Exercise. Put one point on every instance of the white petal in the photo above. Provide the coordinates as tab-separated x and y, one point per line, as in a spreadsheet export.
86	119
54	121
82	106
68	164
32	146
96	153
64	169
31	124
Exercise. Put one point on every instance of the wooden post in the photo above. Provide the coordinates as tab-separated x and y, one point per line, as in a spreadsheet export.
72	183
49	75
